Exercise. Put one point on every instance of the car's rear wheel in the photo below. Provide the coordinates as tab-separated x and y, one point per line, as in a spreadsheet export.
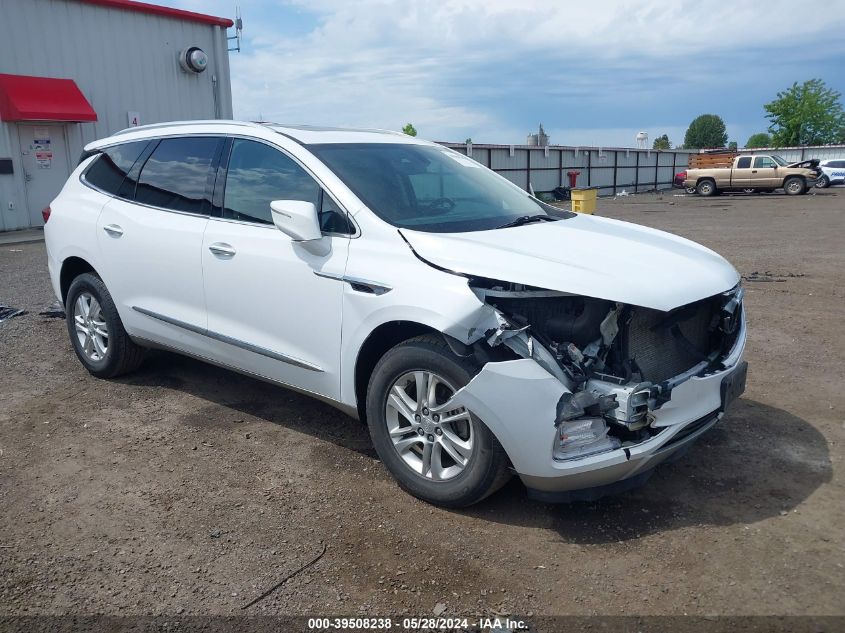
823	182
706	188
749	190
440	453
690	190
96	331
794	186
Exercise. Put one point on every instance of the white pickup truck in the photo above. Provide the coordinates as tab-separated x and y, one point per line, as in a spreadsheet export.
711	173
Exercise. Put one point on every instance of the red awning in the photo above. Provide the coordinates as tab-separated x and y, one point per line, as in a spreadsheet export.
24	98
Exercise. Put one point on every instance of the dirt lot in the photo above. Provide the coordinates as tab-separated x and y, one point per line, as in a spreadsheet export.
189	489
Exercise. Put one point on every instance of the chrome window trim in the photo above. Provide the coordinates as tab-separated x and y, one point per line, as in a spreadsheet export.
256	349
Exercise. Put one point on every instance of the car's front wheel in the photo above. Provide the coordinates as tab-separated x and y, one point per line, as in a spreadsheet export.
440	453
794	186
823	182
96	331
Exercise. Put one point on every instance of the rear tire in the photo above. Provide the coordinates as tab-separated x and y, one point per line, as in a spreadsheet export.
706	188
690	190
794	186
96	331
401	442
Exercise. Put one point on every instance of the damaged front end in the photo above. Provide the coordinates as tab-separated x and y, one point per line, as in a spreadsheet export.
613	370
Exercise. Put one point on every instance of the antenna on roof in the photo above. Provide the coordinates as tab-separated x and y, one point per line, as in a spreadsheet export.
239	25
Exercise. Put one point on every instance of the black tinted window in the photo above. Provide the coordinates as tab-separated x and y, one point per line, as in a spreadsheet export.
744	162
176	174
332	217
259	174
109	170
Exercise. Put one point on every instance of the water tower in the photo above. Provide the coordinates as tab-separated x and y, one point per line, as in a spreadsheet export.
642	140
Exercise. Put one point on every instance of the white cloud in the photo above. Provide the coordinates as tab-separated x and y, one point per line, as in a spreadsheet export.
451	67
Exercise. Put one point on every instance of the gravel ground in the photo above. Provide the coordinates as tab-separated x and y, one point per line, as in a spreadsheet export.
185	488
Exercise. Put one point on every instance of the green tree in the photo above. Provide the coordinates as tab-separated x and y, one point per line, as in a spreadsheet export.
468	141
732	146
807	114
662	142
410	130
761	139
706	131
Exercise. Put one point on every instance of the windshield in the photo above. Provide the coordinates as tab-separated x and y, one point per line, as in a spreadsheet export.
427	188
779	161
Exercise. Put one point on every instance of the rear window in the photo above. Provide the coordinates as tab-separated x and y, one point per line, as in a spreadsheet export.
109	170
176	174
744	162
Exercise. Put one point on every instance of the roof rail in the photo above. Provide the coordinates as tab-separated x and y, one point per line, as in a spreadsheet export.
156	126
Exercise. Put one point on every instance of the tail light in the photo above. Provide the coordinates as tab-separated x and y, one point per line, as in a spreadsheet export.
45	213
683	175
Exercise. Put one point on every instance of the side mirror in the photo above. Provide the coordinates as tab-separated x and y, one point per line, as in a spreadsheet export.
297	219
774	167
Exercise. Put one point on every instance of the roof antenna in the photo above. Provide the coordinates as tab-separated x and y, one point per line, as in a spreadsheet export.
239	25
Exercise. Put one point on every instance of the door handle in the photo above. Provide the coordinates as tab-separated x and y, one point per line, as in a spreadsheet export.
113	229
753	171
221	249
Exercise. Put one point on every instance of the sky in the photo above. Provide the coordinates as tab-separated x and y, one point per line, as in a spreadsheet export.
593	73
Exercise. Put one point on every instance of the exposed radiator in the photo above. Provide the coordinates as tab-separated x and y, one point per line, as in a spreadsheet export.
661	354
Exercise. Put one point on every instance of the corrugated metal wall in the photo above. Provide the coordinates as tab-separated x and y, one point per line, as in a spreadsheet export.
123	61
794	154
610	169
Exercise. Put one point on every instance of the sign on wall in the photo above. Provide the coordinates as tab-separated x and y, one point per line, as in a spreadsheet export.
44	160
134	118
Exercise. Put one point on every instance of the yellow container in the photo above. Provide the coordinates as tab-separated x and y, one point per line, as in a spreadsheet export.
584	200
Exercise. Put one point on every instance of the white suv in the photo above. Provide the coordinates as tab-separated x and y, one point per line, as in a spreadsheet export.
476	329
833	173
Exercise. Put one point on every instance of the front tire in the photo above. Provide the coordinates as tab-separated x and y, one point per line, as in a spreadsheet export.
96	331
823	182
706	188
444	456
794	186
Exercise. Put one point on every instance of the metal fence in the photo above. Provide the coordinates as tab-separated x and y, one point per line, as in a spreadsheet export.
611	170
794	154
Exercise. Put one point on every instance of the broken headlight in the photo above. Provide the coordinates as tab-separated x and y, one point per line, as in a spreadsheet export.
582	437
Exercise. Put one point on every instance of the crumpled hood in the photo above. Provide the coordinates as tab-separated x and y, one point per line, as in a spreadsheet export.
810	163
588	256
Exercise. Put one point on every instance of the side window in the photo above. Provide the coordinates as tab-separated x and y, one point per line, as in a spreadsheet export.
332	217
763	162
259	174
109	170
744	162
176	174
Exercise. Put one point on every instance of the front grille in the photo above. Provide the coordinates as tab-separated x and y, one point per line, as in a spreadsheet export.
665	344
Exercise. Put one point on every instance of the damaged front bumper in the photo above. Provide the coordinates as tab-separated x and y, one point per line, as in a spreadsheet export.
518	401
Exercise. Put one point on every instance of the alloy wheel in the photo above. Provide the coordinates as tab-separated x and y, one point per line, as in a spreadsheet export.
432	436
91	328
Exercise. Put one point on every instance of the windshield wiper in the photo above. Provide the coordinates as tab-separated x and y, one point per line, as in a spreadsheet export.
528	219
